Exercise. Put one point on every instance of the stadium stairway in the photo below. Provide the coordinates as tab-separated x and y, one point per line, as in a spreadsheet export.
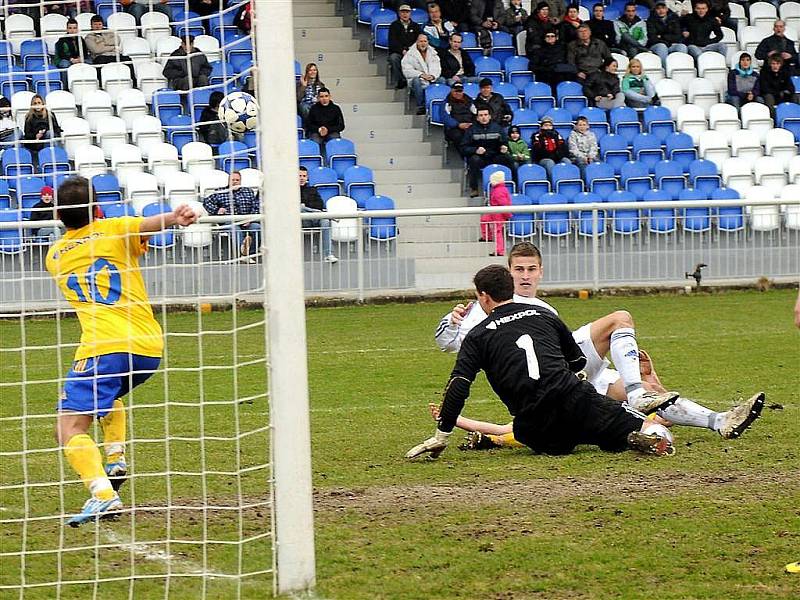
407	164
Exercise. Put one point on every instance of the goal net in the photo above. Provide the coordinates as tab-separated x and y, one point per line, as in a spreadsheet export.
217	500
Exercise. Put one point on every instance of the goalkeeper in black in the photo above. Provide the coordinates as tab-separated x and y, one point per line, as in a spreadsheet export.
531	361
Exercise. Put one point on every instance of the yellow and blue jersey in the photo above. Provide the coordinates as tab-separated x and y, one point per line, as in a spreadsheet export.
97	269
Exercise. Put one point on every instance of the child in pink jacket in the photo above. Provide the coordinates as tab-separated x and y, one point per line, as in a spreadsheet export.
492	225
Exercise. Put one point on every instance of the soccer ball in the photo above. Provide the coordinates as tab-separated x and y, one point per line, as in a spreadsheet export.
239	111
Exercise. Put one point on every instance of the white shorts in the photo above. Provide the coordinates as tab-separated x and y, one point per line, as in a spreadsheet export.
597	371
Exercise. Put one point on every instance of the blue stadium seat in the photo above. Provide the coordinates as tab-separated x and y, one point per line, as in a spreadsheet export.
166	104
220	23
669	177
105	8
647	149
29	193
600	179
509	92
5	195
472	90
326	181
7	59
787	116
364	10
106	188
486	66
233	156
16	161
704	175
44	80
528	122
118	209
419	15
539	97
470	45
680	148
380	23
52	159
625	122
13	80
489	169
198	99
239	51
556	223
533	181
614	151
166	238
187	23
586	224
625	221
33	54
435	96
221	72
598	121
521	225
635	178
341	154
562	121
517	72
571	97
567	180
661	220
359	184
10	239
503	46
301	132
180	131
695	220
310	154
729	218
658	121
381	228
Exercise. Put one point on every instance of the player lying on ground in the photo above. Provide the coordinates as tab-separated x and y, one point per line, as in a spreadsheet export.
531	359
612	334
96	266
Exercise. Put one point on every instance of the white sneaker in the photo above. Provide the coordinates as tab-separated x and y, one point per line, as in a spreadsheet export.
331	259
741	416
650	402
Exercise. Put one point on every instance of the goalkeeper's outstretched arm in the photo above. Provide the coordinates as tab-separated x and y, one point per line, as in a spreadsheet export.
455	395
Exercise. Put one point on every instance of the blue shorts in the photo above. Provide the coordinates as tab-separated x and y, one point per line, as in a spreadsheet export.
93	384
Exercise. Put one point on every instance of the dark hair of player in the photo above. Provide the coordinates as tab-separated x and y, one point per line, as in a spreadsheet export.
74	205
496	281
524	249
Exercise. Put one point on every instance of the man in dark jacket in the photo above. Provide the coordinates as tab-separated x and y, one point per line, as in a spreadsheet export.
701	32
311	201
778	44
664	32
459	115
548	147
499	109
485	143
402	35
602	29
549	63
325	120
456	63
484	17
587	53
187	68
775	84
71	49
457	12
537	25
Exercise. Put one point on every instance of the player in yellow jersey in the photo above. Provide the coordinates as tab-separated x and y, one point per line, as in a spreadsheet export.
96	267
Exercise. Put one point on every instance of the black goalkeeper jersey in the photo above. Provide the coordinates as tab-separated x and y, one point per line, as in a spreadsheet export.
529	356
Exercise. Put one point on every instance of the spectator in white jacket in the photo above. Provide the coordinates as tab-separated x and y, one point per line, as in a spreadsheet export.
421	67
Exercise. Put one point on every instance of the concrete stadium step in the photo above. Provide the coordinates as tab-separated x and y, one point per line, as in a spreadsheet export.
331	46
331	72
343	95
439	223
315	9
396	150
330	60
465	233
385	161
353	83
318	22
389	121
421	189
462	269
411	175
324	34
369	109
419	201
458	250
356	133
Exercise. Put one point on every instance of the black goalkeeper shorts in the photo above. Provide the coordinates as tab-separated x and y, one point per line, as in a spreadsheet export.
581	417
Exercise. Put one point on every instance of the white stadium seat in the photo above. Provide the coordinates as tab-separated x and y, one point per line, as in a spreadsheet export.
252	178
724	118
211	181
150	78
680	68
770	173
123	24
142	190
763	15
96	104
671	94
146	132
780	146
62	104
52	26
343	230
749	38
19	28
714	146
209	46
712	66
126	162
763	218
197	157
792	211
165	47
692	120
111	132
737	173
90	161
651	66
138	49
180	187
197	235
794	170
729	39
81	79
115	77
703	93
163	161
746	146
738	14
20	105
131	105
84	20
790	13
76	133
757	119
155	26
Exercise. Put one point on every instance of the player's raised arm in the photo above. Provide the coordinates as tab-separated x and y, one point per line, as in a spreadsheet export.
455	325
183	215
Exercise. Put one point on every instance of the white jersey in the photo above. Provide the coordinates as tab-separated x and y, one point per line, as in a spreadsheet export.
449	337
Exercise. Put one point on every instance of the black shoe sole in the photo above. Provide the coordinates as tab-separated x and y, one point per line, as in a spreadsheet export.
116	482
755	412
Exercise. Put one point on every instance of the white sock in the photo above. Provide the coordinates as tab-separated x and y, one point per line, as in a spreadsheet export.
688	412
625	354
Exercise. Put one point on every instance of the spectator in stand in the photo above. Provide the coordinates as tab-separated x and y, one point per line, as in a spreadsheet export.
548	147
237	200
742	82
457	65
213	132
243	18
403	33
457	12
9	132
681	8
721	11
498	107
602	29
206	8
71	49
325	120
514	18
105	46
517	147
637	88
421	67
484	18
549	62
311	201
44	210
459	115
138	7
187	67
664	32
485	143
602	87
557	10
775	83
586	53
631	31
701	32
307	89
40	125
582	145
568	28
492	225
537	25
437	29
779	44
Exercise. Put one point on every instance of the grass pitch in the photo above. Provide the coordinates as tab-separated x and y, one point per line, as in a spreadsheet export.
718	520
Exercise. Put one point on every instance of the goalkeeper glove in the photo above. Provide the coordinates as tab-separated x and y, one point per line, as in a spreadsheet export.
435	445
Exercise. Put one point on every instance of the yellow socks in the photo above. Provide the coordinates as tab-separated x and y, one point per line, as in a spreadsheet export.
83	456
114	432
506	440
